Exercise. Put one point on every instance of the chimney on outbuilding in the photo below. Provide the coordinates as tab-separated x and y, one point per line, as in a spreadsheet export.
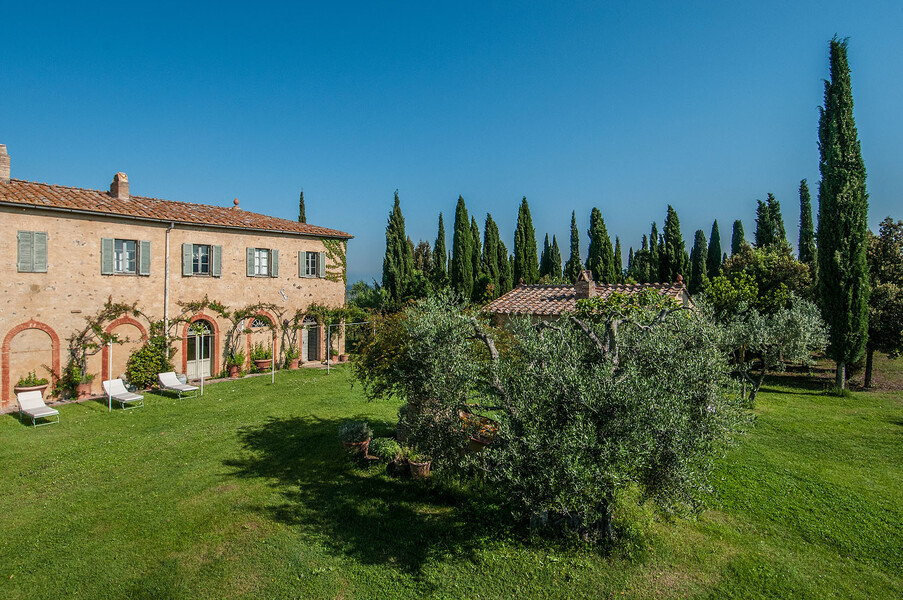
4	164
585	287
119	189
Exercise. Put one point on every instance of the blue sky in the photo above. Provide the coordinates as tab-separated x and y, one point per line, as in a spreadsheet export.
625	105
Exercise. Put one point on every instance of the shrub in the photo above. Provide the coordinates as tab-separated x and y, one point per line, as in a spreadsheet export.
151	359
385	449
32	380
354	431
261	352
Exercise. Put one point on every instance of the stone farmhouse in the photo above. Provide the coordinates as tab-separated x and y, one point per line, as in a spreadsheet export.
549	302
69	251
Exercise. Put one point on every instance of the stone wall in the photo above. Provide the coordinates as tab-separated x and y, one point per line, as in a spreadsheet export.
40	311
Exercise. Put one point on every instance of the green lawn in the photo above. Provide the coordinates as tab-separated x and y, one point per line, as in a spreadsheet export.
246	492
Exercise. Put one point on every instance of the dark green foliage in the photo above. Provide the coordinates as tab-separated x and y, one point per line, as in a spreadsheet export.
630	263
772	274
737	238
506	268
398	263
461	271
555	260
490	264
544	258
574	264
600	257
655	255
807	248
885	258
619	264
713	260
302	216
476	259
423	257
440	257
842	219
154	357
698	270
673	259
769	224
638	268
526	261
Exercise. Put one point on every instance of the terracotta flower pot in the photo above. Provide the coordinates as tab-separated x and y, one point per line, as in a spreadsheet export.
263	363
357	447
419	470
234	371
83	390
31	388
293	364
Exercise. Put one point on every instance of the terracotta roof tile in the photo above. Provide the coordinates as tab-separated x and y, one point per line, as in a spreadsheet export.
556	299
42	195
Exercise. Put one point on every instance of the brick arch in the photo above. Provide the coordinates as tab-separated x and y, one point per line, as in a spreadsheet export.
5	349
185	332
248	321
105	354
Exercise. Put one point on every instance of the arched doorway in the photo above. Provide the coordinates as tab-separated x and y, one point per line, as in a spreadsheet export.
310	340
199	350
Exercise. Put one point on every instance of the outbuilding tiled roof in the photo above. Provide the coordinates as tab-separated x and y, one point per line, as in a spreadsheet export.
550	300
58	197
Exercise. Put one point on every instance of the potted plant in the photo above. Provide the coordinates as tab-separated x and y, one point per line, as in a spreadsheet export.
31	383
292	357
418	463
355	436
82	383
235	363
262	356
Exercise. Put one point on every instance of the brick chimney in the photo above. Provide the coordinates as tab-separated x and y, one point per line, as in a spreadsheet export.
119	189
585	287
4	164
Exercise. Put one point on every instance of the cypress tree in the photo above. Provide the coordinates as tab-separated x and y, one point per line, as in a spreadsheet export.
618	263
601	257
737	238
770	231
440	257
490	265
673	259
654	255
505	272
842	214
461	270
526	262
574	265
476	249
555	260
713	260
398	263
630	263
544	258
302	216
807	229
698	268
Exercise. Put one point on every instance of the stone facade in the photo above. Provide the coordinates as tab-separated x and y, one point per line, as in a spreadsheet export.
40	311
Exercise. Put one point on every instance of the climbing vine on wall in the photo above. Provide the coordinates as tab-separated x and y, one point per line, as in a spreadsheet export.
337	263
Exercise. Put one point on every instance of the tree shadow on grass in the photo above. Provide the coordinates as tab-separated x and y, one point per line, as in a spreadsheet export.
367	515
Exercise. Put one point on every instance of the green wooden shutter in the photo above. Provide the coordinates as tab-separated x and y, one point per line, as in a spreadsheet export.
321	265
106	256
302	265
250	261
25	244
40	251
274	263
144	257
216	264
187	256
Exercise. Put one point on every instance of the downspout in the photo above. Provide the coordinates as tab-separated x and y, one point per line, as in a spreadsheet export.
166	284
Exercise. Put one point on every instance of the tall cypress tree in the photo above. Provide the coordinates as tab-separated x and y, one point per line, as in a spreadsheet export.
601	257
770	231
506	273
673	259
574	264
302	216
842	214
476	249
398	263
807	229
654	255
440	257
461	270
490	265
713	260
526	261
698	268
737	238
630	264
555	260
544	258
618	262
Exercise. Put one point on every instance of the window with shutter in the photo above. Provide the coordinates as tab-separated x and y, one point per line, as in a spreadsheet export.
217	266
40	252
322	265
274	263
25	243
106	256
187	251
144	258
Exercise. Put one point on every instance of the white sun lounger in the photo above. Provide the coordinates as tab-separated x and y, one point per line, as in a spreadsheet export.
115	389
32	404
169	382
